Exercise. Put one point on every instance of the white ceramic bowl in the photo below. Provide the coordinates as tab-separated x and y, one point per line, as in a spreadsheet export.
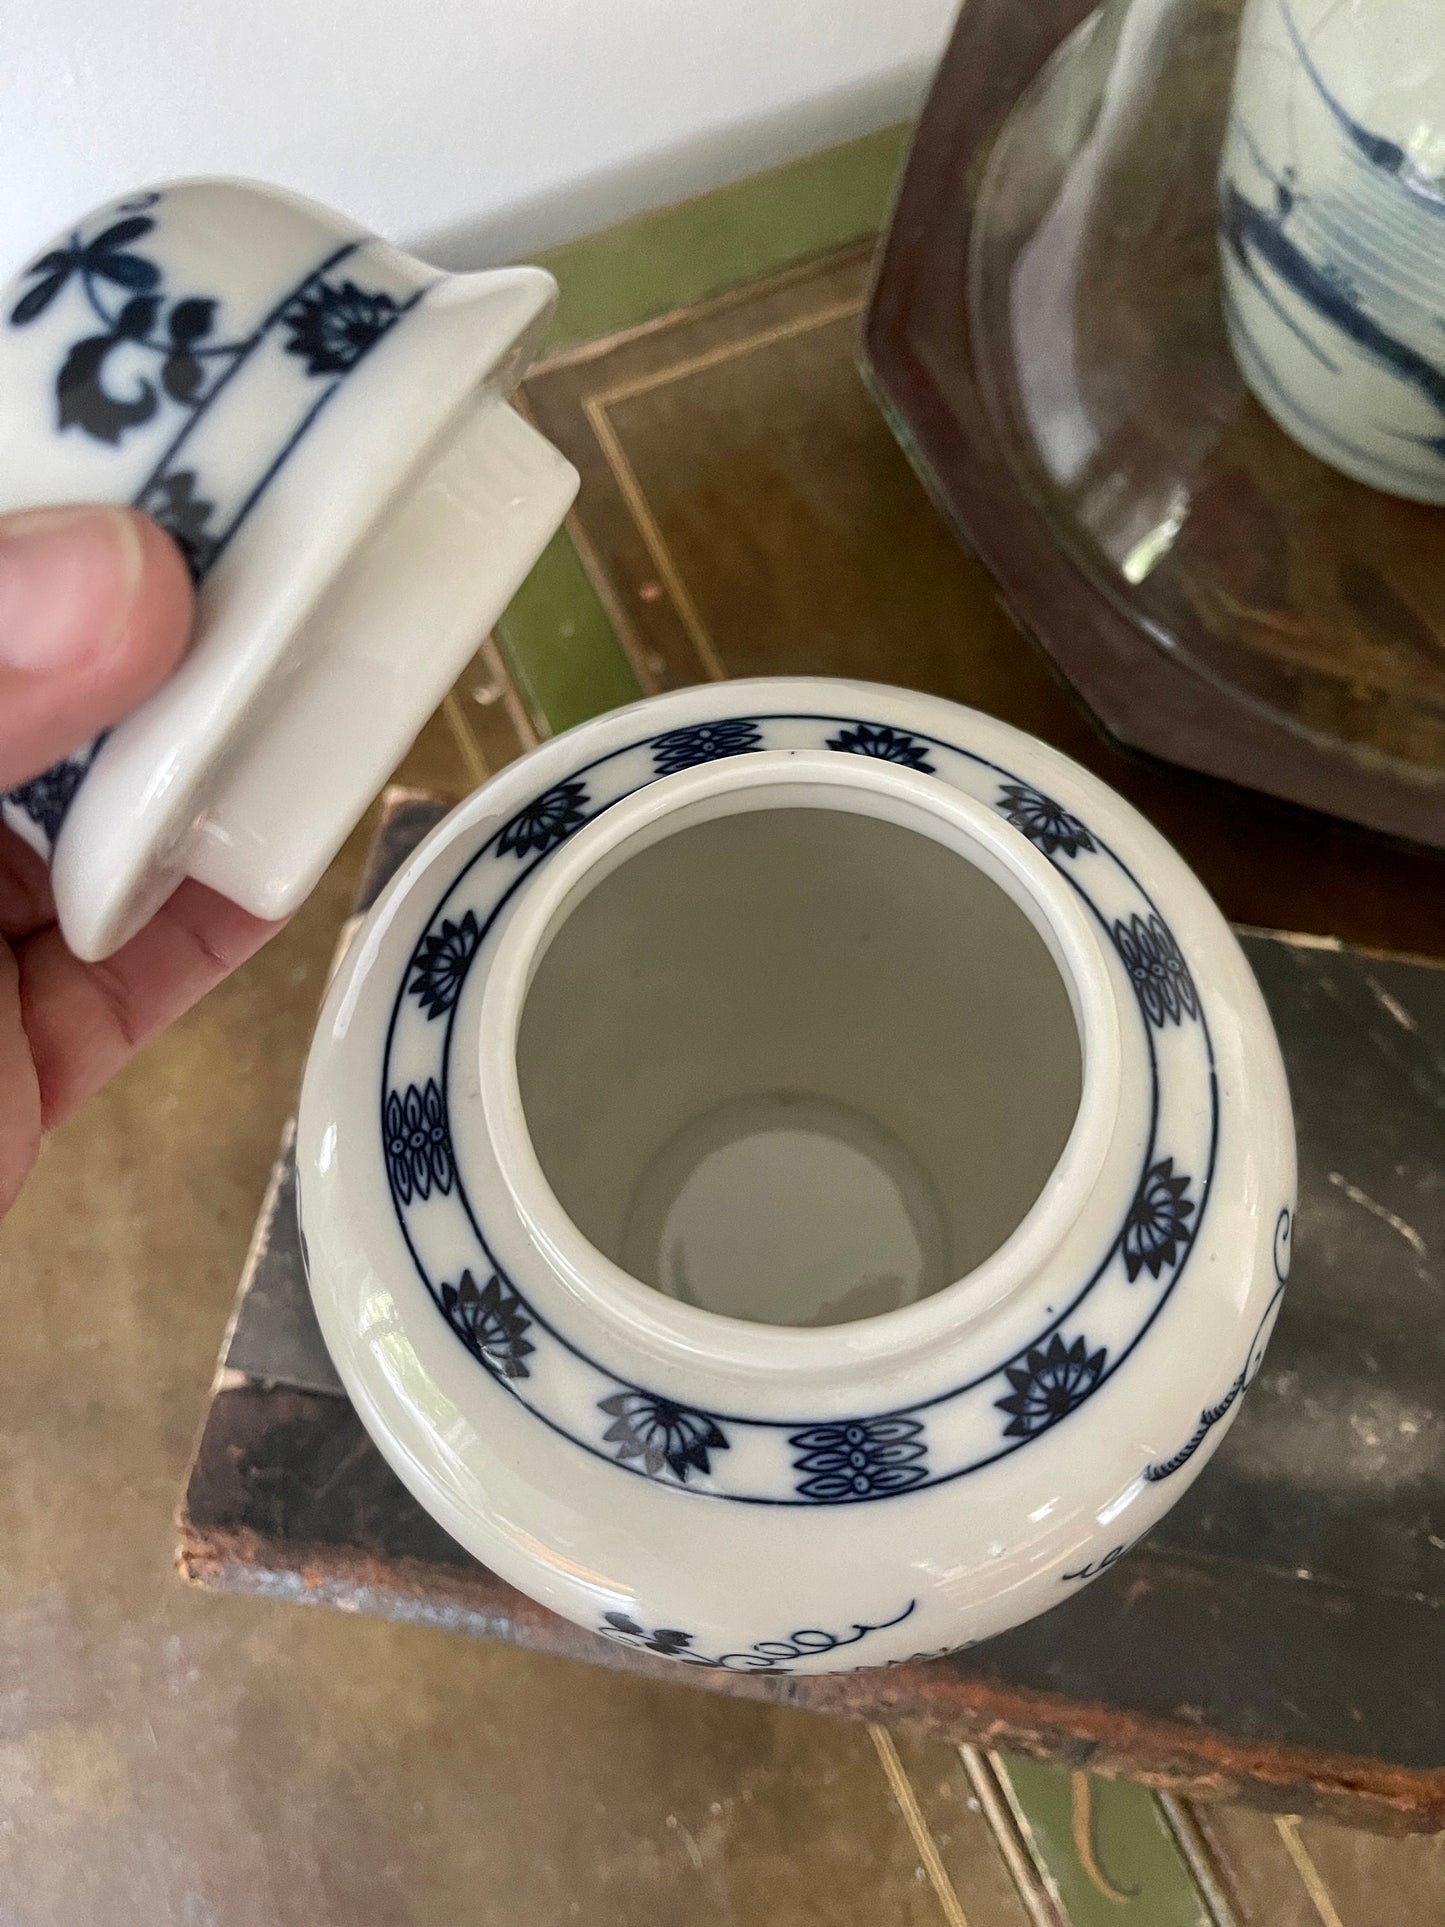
322	424
902	1047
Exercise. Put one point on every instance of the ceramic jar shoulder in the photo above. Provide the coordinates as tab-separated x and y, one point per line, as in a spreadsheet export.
758	1496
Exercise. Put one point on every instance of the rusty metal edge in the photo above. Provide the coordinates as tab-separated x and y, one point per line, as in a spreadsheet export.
1163	1754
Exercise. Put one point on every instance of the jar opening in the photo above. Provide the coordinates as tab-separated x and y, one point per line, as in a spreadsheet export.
797	1066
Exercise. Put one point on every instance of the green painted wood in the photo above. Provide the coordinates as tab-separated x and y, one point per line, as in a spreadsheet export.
560	643
667	259
1104	1848
556	634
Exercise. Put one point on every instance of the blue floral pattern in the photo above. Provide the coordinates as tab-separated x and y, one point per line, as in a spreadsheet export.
143	353
877	739
1053	1381
1157	969
490	1322
185	516
1345	190
1046	824
550	820
418	1144
679	749
840	1459
331	325
860	1459
442	961
763	1656
1158	1223
661	1435
1253	1358
124	293
334	323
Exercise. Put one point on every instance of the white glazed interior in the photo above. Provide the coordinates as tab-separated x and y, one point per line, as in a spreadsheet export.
797	1065
772	985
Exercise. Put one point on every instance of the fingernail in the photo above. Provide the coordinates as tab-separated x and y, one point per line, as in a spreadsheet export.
68	582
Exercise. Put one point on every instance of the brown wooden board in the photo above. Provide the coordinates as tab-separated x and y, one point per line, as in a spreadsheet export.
1293	638
1280	1636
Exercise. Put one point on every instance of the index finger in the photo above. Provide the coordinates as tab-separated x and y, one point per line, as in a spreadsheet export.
95	613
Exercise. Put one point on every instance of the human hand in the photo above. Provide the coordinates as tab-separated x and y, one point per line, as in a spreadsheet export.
95	612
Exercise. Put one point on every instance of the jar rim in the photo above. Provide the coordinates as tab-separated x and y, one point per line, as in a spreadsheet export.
771	780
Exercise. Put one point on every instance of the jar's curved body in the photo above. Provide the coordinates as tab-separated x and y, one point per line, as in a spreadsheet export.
755	1496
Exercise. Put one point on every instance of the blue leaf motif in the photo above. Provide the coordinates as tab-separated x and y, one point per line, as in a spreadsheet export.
1150	953
103	258
660	1434
545	822
172	501
490	1322
418	1144
182	371
867	1458
889	745
84	400
679	749
1049	1384
442	960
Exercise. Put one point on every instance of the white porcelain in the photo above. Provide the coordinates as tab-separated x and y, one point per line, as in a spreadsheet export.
968	1042
1332	197
322	424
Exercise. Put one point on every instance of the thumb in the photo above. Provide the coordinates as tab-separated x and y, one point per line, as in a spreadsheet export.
95	612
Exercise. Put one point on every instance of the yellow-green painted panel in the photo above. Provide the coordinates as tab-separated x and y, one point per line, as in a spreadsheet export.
1105	1847
560	644
677	255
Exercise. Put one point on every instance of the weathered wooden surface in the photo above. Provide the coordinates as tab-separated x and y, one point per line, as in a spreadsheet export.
1302	614
1278	1637
746	512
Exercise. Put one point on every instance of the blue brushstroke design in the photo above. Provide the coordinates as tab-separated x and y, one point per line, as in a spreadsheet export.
1246	226
1256	236
1380	152
1262	376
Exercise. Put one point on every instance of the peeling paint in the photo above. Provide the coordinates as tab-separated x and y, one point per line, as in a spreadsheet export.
1392	1006
1367	1203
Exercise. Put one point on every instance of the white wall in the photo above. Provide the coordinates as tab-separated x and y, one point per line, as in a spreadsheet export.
475	128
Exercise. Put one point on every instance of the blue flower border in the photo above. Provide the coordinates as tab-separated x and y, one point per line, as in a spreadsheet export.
652	1436
332	326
